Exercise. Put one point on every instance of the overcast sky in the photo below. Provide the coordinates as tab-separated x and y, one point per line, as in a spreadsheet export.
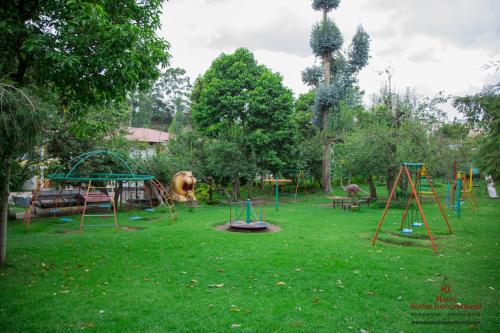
430	45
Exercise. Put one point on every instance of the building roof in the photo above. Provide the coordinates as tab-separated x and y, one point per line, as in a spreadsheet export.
147	135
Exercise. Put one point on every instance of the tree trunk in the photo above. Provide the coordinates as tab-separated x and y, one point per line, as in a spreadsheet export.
325	161
118	192
372	187
327	145
392	170
250	183
4	209
210	183
236	188
391	175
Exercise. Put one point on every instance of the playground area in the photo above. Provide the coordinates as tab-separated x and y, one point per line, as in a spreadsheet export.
320	272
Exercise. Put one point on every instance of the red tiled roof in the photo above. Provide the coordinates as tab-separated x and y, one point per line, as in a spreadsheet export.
147	135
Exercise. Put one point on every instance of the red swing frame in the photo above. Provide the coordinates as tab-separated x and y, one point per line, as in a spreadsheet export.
413	196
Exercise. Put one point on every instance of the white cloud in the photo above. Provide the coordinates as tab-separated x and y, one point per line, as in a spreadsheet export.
430	45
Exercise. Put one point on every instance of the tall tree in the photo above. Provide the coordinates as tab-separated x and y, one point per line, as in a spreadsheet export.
326	43
483	114
88	52
244	103
158	106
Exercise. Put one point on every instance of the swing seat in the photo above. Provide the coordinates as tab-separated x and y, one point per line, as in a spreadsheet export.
417	224
149	209
105	206
65	219
135	218
406	231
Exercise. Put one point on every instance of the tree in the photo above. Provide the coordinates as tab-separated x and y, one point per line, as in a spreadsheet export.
410	120
326	43
244	104
158	106
88	53
23	119
174	87
483	114
364	153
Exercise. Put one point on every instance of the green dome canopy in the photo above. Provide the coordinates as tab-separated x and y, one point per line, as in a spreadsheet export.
74	175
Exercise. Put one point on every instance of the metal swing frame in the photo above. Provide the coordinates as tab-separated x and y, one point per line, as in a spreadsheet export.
405	171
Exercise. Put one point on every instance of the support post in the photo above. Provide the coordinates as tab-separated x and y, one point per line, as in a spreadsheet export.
388	205
112	199
448	204
230	214
424	219
438	202
249	208
85	205
458	196
277	202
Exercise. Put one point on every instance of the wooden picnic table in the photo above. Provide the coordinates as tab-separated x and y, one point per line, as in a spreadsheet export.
349	202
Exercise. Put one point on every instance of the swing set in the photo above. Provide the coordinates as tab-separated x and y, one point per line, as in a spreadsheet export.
412	216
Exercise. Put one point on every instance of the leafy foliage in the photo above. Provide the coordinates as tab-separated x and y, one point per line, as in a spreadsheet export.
24	118
325	4
326	97
270	129
242	102
89	51
313	76
483	114
359	50
325	38
158	106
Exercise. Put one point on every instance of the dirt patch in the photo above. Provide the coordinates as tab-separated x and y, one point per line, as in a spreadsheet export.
225	227
400	242
417	236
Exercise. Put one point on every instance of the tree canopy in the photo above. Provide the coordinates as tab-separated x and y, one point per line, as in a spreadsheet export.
90	51
482	111
239	101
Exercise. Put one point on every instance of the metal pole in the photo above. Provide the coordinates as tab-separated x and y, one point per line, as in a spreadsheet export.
388	205
277	193
459	196
419	205
439	203
470	180
249	208
448	204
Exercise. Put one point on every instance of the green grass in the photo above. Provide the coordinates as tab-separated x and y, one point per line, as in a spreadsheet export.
158	279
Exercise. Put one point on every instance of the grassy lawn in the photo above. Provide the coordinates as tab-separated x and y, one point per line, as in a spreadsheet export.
319	274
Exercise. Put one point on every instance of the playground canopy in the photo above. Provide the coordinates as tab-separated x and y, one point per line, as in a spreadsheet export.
73	174
98	192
